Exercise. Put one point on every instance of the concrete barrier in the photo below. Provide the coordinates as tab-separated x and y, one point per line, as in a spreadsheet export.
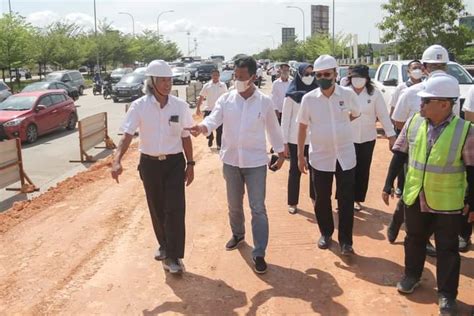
11	167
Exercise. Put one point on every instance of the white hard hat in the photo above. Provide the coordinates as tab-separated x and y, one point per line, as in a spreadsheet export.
435	54
158	68
440	87
324	62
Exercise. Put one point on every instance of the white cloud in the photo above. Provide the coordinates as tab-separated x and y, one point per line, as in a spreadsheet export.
45	18
42	18
84	20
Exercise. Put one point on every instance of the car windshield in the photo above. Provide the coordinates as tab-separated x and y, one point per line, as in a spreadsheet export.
3	86
55	76
36	87
460	74
119	71
207	67
194	65
18	103
372	72
132	78
178	69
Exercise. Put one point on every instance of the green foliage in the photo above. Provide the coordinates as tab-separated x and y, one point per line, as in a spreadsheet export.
416	24
15	39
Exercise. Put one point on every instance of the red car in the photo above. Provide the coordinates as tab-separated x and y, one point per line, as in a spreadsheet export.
28	115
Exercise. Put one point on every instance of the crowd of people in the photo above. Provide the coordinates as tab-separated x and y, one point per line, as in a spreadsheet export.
325	129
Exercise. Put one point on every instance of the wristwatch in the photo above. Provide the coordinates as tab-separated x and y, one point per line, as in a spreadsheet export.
191	163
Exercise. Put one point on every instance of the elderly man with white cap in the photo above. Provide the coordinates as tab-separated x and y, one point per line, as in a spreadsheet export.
439	148
327	111
163	168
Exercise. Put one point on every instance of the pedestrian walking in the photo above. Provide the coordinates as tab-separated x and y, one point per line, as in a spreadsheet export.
439	149
164	170
210	92
303	83
327	112
249	118
279	88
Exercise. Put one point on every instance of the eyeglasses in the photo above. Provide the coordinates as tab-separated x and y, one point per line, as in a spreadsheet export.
324	74
311	74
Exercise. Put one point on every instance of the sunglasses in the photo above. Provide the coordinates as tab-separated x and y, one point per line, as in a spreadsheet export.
324	74
310	74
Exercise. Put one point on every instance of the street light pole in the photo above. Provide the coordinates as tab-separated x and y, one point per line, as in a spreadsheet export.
10	6
302	12
158	21
333	29
95	34
133	21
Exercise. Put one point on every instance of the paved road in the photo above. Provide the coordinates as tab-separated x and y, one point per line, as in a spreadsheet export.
47	161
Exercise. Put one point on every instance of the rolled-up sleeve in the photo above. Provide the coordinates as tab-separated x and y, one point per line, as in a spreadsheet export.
188	122
273	128
131	121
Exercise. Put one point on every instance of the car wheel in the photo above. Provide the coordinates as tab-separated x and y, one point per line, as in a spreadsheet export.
31	133
71	122
81	90
115	100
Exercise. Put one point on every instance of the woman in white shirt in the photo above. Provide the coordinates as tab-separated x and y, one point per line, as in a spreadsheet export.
372	108
302	84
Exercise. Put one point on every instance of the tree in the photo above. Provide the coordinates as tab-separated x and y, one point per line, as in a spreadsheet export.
416	24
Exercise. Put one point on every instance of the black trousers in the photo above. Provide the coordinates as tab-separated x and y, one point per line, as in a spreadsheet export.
364	154
419	227
323	208
401	174
218	132
295	176
466	228
164	187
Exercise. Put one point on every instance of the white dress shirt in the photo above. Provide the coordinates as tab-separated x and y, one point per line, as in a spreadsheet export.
469	102
279	88
330	131
409	102
212	91
246	125
397	93
289	125
161	129
372	107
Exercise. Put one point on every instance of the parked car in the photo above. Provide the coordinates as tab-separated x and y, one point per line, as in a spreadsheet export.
129	87
227	76
20	73
192	68
45	70
141	71
391	73
71	77
5	91
118	73
28	115
181	75
83	69
203	72
72	92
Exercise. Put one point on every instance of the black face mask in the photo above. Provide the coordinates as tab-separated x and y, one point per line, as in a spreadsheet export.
324	84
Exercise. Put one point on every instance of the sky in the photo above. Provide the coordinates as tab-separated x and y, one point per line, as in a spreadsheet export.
225	27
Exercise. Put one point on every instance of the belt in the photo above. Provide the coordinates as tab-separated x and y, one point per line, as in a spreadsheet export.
161	157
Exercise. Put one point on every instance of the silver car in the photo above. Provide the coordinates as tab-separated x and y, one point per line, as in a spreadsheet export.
4	91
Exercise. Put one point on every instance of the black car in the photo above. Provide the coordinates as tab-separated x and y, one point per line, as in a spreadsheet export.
203	72
118	73
192	68
129	87
72	92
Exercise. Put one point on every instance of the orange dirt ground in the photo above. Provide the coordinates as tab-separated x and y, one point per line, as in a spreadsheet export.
86	247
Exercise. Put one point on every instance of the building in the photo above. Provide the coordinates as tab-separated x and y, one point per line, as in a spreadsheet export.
319	19
287	34
467	21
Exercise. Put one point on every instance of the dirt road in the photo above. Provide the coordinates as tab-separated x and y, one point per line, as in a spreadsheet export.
86	247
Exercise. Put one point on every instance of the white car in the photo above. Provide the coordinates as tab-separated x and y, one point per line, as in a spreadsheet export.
4	91
140	70
391	73
181	75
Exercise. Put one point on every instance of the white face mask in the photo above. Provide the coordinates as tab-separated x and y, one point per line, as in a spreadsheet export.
307	80
358	83
241	86
416	74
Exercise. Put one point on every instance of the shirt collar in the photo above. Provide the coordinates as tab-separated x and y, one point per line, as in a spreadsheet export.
443	123
337	91
254	95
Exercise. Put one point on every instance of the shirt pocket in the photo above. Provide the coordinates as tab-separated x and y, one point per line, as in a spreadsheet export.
175	128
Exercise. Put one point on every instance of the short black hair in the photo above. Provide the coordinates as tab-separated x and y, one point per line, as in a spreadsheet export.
215	70
413	62
247	62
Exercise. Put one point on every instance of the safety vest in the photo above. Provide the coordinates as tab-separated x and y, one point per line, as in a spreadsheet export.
440	172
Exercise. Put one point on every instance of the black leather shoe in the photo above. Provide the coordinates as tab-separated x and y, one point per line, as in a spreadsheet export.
392	232
260	265
430	250
347	250
407	285
464	244
234	242
447	306
324	242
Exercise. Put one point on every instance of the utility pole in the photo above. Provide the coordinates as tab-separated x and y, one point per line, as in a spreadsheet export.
188	33
333	28
10	6
95	34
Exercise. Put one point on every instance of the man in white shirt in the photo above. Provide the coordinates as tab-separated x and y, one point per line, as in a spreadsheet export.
415	72
279	88
161	119
211	91
259	76
435	60
249	117
328	111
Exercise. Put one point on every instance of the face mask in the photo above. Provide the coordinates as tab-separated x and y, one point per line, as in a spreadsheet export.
307	80
416	74
241	86
358	83
325	84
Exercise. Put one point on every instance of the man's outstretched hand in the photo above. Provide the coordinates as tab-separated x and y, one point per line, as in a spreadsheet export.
196	130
